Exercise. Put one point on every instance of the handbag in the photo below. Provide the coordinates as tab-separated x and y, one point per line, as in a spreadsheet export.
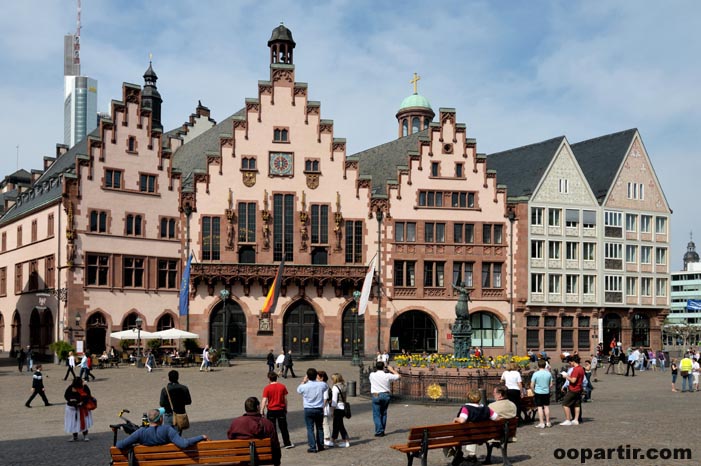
181	421
91	404
346	405
684	373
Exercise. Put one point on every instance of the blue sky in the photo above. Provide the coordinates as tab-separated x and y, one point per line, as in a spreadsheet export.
516	72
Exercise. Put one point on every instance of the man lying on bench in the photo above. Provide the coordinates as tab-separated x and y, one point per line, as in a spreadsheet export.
158	434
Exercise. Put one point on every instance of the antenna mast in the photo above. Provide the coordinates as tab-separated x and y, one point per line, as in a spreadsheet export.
76	57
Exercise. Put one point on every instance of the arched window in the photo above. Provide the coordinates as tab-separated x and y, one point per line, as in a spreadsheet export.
487	330
405	128
415	125
129	321
641	330
165	322
427	121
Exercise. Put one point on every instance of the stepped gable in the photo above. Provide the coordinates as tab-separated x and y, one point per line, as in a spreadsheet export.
522	168
192	156
600	159
381	163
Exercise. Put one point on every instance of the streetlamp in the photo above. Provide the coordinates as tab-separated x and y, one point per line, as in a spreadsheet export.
379	274
139	322
356	352
223	358
512	218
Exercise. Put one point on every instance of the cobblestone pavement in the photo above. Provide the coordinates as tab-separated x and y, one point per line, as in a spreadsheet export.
641	412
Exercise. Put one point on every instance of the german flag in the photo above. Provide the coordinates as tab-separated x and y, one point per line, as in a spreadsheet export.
274	292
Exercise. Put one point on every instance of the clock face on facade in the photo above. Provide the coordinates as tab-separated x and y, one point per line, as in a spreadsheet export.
280	164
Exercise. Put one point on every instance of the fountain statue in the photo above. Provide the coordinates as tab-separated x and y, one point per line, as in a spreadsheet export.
462	330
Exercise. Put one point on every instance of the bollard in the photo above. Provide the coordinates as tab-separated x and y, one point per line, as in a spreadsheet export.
483	396
352	388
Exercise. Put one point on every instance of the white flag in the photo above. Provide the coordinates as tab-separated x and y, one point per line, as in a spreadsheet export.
367	286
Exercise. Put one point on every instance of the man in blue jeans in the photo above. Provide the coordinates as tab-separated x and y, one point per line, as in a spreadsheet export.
312	392
381	389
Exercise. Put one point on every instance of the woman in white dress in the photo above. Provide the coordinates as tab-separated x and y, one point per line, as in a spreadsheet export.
78	417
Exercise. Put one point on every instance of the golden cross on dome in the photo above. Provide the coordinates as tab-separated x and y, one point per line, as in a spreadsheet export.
415	82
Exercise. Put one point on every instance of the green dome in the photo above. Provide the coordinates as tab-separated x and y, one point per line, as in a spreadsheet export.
415	100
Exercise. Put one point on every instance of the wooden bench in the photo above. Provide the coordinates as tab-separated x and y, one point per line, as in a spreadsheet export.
425	438
219	452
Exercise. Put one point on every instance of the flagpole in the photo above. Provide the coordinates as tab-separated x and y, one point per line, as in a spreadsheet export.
379	284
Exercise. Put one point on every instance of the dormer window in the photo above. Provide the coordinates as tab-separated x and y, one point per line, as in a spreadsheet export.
281	135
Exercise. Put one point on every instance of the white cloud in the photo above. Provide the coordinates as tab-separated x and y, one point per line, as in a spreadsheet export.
516	72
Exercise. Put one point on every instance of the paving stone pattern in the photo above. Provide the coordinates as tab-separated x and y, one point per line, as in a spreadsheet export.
641	412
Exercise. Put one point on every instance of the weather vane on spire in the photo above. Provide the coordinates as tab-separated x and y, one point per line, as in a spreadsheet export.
415	82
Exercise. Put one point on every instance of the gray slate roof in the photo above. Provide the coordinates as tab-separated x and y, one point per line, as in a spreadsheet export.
521	169
380	163
192	157
47	188
600	158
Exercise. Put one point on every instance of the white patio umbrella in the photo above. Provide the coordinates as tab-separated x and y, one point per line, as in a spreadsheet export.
133	334
174	334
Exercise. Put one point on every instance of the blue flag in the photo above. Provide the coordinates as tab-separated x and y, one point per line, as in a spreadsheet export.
185	289
693	305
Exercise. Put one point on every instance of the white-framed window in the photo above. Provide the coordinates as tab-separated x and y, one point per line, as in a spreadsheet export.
660	225
646	286
661	256
631	222
571	250
613	283
646	254
589	251
631	253
554	283
613	250
536	283
571	284
631	286
636	191
537	249
537	214
554	249
645	223
564	186
554	217
588	219
661	287
613	219
589	284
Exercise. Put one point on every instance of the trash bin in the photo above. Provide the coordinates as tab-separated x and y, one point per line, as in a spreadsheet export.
352	388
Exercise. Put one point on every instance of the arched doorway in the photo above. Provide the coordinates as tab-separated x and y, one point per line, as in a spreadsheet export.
16	330
228	324
301	330
34	328
641	331
2	332
348	334
487	330
96	333
612	329
415	332
47	330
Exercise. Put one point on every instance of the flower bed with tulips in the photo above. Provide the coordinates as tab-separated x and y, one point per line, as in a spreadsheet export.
449	361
